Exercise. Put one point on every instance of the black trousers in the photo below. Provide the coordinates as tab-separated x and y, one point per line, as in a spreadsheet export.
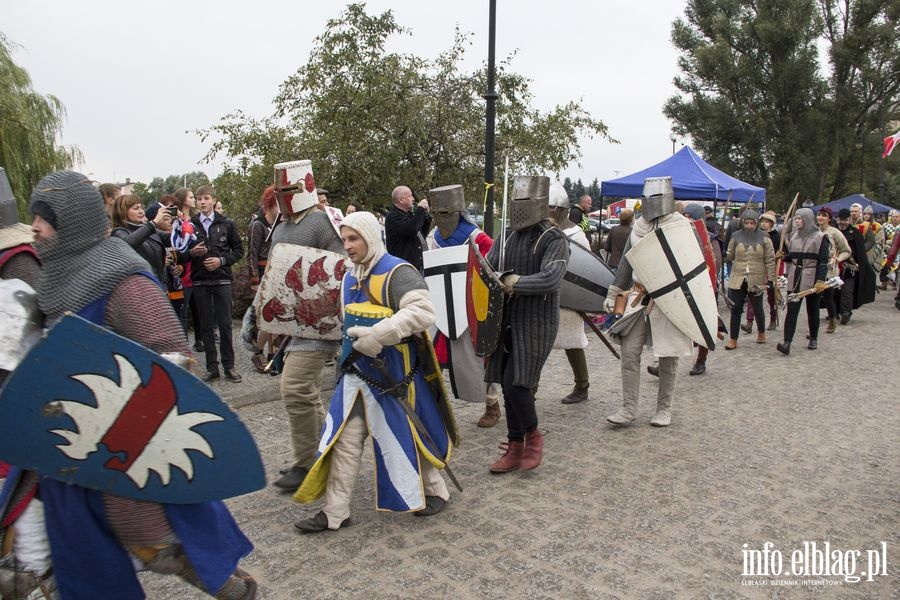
214	309
812	315
737	311
846	304
829	302
521	414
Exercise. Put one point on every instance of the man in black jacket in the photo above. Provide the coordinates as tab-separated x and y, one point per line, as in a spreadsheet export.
218	247
405	227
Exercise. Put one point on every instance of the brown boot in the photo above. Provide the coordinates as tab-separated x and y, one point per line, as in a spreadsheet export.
731	345
761	337
832	325
491	415
534	449
510	460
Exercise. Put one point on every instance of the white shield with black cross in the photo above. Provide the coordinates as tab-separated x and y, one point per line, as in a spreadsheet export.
669	263
445	274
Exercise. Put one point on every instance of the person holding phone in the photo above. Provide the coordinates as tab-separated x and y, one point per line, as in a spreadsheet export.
130	224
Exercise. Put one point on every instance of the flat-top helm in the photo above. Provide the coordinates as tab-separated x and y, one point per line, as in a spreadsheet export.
12	233
530	201
658	198
295	186
447	204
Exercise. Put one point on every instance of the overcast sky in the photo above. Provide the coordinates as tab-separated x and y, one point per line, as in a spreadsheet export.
135	77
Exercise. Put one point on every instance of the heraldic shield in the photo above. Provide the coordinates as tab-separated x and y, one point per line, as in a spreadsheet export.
670	265
91	408
484	303
300	293
445	274
586	282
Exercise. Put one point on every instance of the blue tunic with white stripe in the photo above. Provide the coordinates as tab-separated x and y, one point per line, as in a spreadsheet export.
398	448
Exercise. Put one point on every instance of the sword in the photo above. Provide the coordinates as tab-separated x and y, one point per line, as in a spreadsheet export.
503	213
398	391
599	334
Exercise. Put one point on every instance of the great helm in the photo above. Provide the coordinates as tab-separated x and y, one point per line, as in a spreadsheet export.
12	233
295	186
447	204
530	201
658	198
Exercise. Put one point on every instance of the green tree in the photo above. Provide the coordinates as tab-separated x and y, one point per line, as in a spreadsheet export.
567	185
29	125
754	98
150	193
578	190
371	119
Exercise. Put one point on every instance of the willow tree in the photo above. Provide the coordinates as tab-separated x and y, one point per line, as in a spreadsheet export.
29	125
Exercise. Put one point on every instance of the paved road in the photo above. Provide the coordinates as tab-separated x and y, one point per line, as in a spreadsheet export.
763	448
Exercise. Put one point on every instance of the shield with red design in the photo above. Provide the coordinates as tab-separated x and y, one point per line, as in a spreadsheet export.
91	408
300	293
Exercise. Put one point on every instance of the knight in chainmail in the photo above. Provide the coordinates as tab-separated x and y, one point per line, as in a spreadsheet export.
301	376
94	536
534	263
17	257
806	266
752	259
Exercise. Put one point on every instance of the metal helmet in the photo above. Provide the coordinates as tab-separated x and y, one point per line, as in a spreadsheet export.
295	186
658	198
530	201
20	322
447	203
559	206
12	233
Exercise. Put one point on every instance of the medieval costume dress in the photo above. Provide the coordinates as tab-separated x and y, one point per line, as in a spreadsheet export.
466	368
95	537
363	403
806	260
536	259
752	272
859	278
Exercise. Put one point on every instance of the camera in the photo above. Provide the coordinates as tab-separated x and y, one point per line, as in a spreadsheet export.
172	210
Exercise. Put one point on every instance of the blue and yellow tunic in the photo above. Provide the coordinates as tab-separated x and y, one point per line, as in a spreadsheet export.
398	447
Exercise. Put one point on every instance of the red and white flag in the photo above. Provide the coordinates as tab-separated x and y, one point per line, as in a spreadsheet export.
889	143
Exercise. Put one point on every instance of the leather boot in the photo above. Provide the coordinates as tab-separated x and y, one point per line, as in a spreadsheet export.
761	337
577	395
731	345
832	325
813	344
784	347
747	327
510	460
491	415
772	324
534	449
699	368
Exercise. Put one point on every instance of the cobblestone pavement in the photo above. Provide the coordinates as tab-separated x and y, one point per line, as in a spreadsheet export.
763	448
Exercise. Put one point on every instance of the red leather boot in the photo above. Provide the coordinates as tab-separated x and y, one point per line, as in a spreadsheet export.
511	458
534	449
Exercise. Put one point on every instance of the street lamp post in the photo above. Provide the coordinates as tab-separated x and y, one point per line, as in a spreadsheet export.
673	139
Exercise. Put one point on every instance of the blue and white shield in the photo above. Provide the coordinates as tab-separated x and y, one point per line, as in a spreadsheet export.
91	408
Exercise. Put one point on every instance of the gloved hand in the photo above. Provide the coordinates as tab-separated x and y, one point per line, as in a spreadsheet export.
366	341
609	304
782	281
508	281
820	286
779	255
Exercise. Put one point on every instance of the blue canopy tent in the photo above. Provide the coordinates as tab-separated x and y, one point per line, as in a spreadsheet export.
836	205
692	178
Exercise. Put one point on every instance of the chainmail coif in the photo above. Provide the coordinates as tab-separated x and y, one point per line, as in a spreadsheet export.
80	264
